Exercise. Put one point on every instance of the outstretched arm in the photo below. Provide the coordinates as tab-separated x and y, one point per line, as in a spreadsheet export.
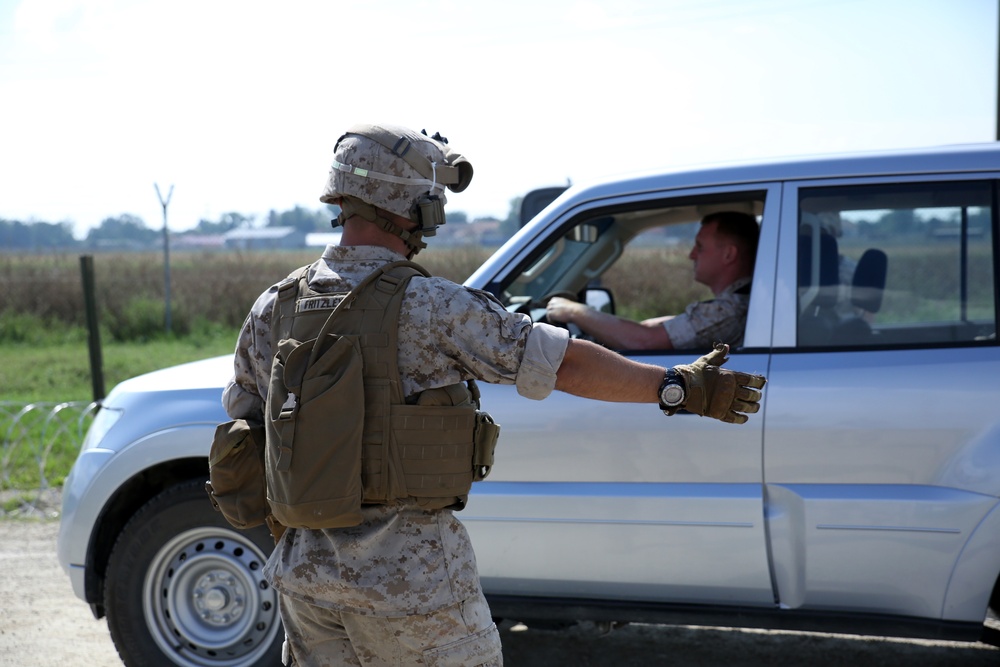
591	371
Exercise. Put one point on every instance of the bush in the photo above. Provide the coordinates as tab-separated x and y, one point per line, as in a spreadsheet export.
30	328
144	319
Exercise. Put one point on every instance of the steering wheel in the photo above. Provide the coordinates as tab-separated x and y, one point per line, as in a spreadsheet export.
565	294
574	330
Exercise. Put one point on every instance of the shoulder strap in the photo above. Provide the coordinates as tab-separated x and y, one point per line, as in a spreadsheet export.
391	278
283	308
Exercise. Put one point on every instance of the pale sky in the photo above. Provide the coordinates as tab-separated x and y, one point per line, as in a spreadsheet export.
238	103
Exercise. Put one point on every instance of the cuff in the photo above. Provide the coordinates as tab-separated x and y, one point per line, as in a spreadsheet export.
682	333
544	350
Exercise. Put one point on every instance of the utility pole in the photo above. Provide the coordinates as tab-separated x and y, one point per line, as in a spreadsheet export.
166	254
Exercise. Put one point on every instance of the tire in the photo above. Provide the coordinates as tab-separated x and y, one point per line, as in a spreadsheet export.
185	589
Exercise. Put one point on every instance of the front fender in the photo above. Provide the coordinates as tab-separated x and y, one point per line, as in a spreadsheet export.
975	572
98	476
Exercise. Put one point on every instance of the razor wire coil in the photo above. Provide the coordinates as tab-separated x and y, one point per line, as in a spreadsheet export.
37	440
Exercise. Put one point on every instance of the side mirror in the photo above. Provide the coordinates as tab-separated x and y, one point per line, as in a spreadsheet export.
533	202
599	298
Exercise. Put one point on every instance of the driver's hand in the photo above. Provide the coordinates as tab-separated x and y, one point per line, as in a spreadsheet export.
559	309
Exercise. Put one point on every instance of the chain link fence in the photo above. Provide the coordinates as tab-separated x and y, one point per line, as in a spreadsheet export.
39	443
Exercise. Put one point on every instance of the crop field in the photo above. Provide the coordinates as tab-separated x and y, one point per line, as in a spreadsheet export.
44	359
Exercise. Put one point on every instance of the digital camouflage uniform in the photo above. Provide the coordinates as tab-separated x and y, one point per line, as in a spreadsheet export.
402	587
704	323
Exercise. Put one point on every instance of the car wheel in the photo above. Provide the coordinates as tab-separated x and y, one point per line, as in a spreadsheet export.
184	588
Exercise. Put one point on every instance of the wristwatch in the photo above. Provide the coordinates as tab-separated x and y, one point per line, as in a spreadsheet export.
672	393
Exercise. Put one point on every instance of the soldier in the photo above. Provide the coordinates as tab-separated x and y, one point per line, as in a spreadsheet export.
723	255
401	586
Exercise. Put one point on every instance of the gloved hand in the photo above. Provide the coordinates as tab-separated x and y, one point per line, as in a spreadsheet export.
718	392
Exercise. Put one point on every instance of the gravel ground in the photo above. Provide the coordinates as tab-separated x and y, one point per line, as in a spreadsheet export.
43	624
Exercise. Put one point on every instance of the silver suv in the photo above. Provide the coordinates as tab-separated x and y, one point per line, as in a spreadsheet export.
862	498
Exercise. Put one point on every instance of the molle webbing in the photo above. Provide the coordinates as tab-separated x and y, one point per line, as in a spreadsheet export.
423	451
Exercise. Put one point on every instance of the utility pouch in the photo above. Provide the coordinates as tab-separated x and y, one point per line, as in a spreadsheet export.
486	435
236	473
315	414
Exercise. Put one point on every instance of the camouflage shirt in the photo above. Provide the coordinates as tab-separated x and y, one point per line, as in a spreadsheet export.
400	559
705	323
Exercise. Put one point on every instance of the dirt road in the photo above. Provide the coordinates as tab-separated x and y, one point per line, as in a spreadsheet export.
42	624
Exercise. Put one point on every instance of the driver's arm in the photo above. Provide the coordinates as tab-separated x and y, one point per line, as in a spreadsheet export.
609	329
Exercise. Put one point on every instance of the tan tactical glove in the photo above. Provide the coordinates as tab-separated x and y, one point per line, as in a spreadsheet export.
718	392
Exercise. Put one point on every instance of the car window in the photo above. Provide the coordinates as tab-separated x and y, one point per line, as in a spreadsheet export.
631	260
901	264
653	276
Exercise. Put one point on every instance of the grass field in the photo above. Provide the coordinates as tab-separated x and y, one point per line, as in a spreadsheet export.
58	373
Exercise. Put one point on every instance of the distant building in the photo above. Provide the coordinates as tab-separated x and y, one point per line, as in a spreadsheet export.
265	238
198	241
483	231
322	239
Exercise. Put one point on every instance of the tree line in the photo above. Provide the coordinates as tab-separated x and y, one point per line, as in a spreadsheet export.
127	231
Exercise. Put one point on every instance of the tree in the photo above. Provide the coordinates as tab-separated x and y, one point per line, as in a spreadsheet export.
456	217
15	234
899	221
125	230
301	219
512	222
227	222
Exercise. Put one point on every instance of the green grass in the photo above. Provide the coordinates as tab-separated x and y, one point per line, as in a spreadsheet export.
36	450
61	371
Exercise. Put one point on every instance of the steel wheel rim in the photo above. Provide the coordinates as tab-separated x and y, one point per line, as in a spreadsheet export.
206	601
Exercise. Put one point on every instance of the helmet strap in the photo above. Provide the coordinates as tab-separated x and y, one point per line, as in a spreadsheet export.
351	206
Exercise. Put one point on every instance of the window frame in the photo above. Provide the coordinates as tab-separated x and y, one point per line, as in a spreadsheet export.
786	321
757	333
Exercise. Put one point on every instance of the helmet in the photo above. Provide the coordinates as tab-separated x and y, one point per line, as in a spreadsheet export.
396	170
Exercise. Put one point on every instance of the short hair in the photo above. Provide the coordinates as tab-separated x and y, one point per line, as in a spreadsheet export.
741	228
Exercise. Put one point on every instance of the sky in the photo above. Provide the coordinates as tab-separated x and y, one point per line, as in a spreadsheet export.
237	104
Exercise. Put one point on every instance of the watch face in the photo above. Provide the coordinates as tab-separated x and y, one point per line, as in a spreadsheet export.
672	395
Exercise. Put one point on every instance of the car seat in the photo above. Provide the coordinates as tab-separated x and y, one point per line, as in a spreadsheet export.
867	290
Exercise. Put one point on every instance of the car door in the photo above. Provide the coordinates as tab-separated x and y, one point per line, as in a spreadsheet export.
882	448
604	500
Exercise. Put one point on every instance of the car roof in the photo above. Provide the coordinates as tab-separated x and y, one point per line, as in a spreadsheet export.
957	159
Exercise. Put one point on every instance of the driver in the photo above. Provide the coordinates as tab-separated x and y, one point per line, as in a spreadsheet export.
723	254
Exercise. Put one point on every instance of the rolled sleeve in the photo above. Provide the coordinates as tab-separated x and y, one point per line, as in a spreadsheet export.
681	331
704	323
544	350
240	403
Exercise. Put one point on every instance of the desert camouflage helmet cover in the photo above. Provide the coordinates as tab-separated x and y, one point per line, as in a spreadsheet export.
392	168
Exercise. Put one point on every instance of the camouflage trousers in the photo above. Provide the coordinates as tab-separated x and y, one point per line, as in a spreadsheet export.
461	635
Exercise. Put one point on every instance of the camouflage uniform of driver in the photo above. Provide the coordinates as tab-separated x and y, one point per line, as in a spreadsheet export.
402	587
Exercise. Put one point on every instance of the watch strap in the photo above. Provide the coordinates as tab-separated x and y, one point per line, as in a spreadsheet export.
671	377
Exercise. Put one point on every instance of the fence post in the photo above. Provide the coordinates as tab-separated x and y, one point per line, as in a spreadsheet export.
93	331
166	256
